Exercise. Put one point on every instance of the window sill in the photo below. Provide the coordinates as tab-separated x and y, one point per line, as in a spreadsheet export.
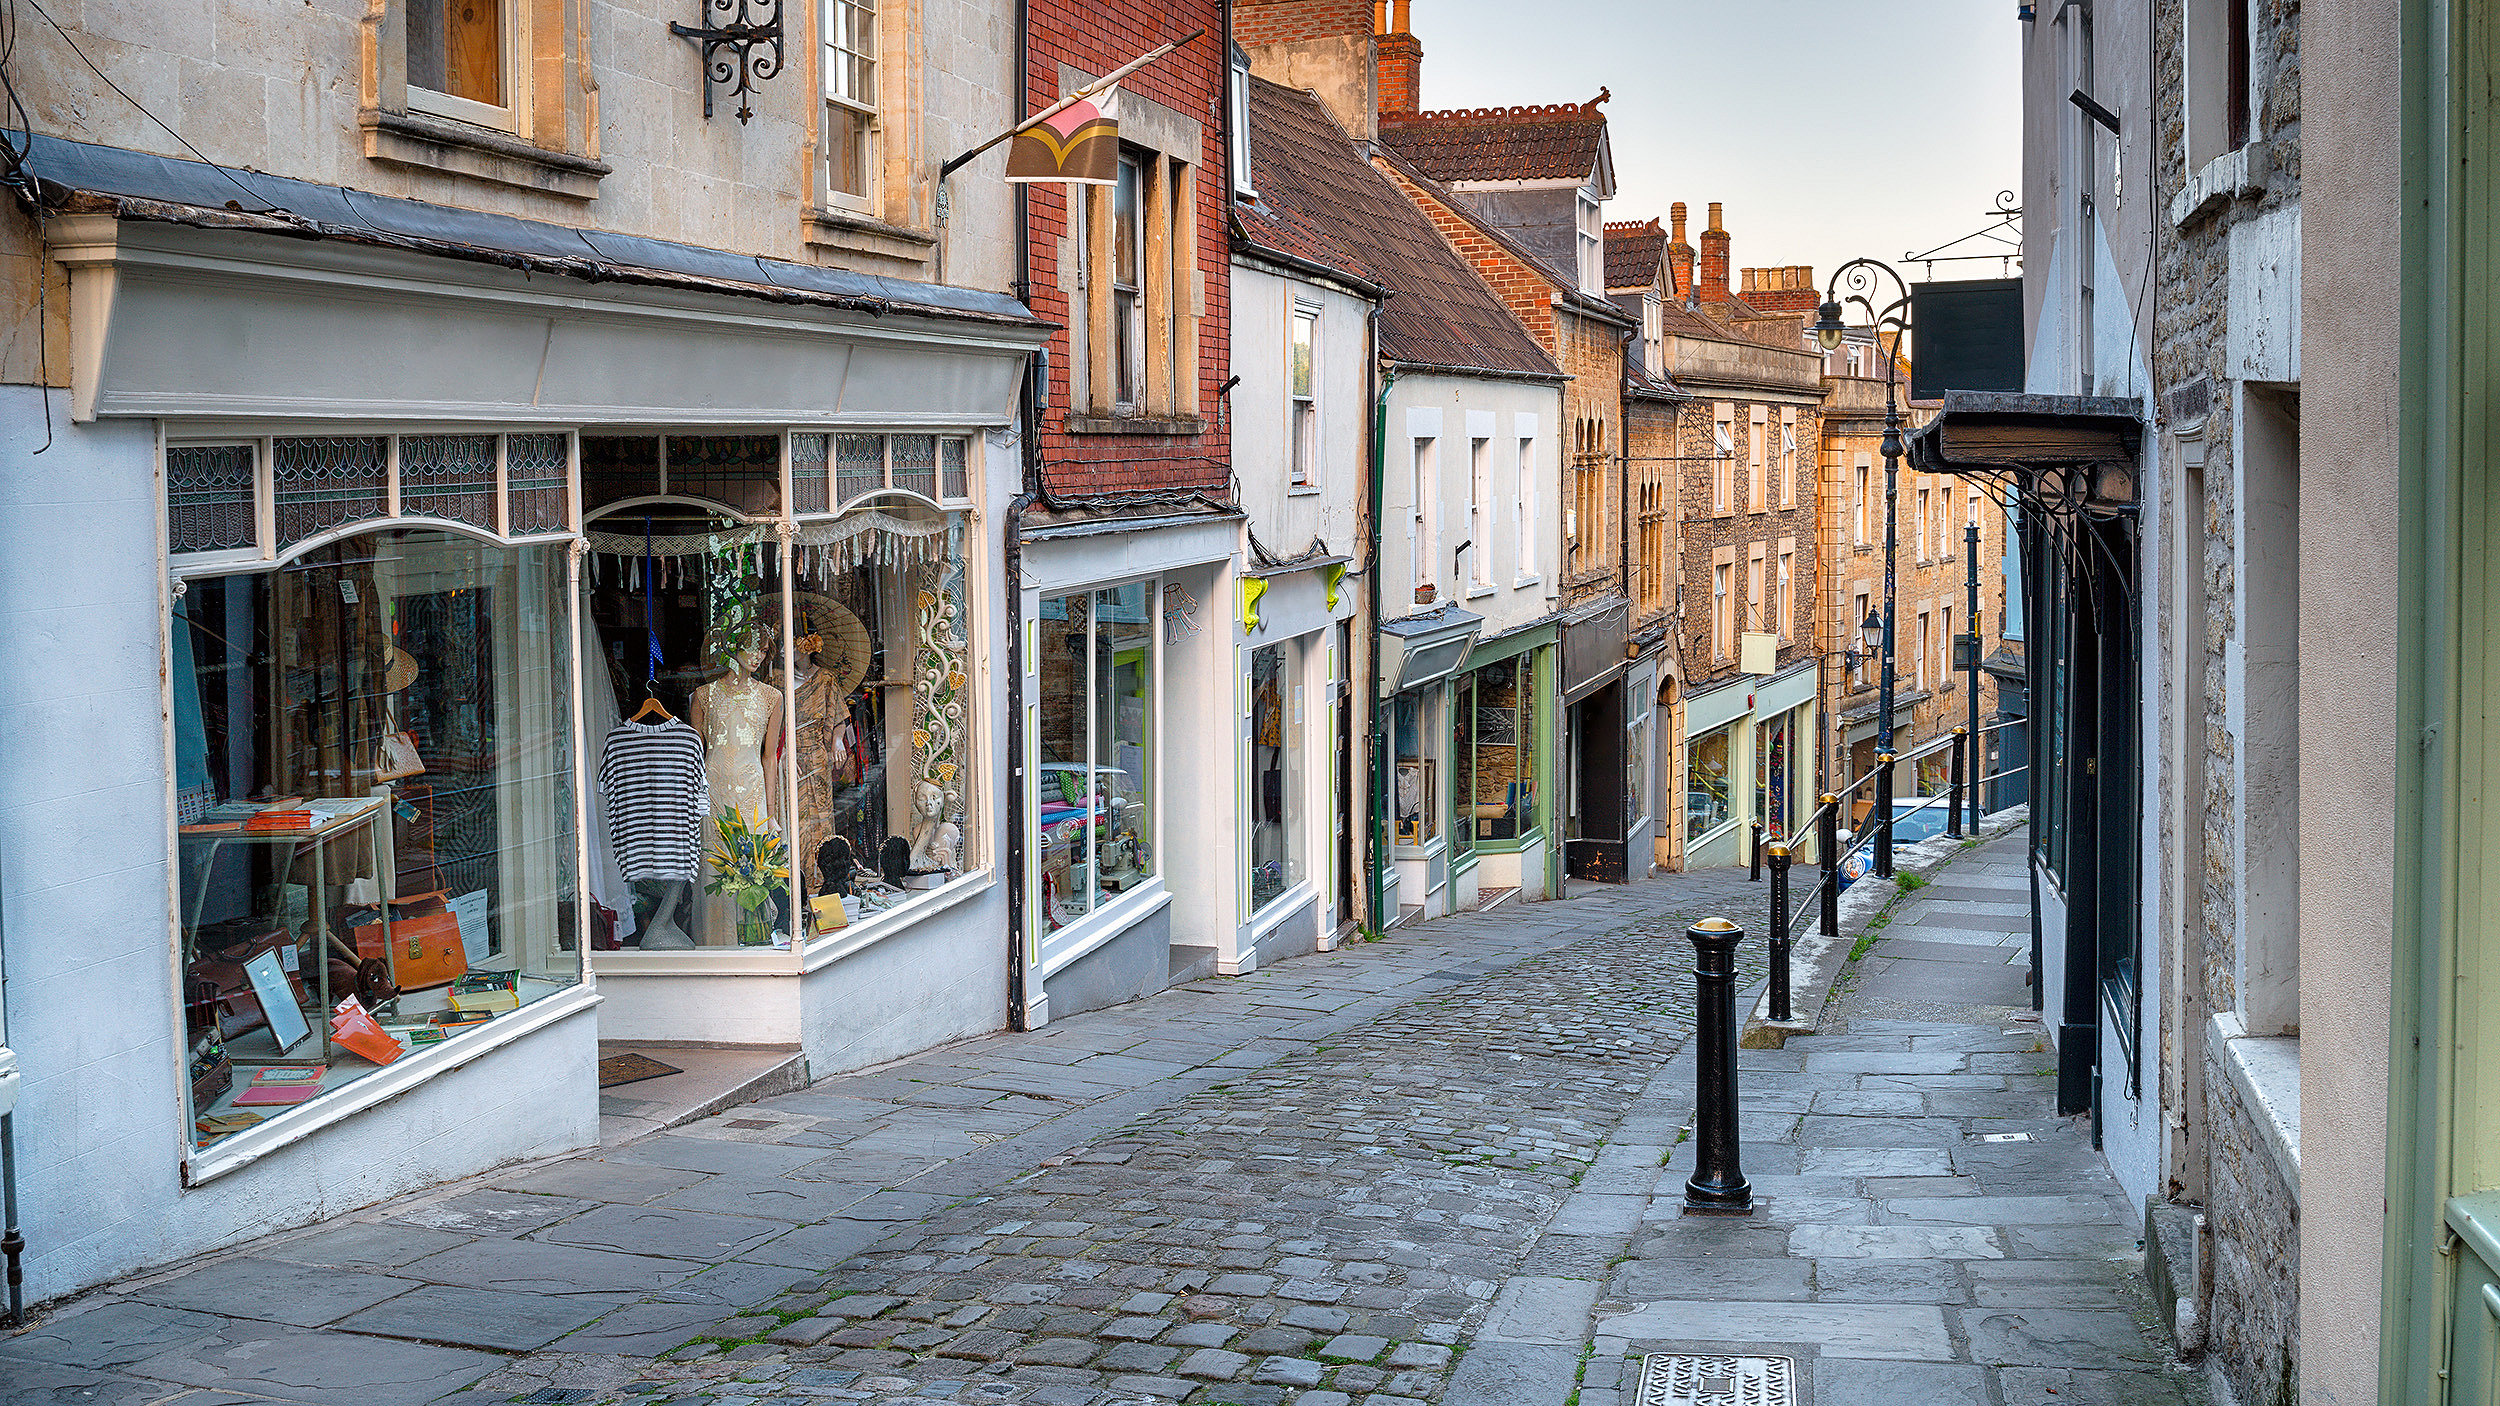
1303	490
1064	948
2233	173
1133	424
1525	582
1480	592
2265	1071
828	948
240	1150
440	144
849	232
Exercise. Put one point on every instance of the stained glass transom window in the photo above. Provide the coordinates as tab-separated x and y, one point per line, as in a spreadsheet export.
448	476
329	481
209	498
534	472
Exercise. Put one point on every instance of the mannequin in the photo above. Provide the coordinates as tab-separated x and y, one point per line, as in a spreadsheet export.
735	714
819	707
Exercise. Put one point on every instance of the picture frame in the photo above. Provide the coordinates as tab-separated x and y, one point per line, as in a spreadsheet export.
1413	801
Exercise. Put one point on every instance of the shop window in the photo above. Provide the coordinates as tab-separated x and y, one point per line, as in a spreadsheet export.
1494	754
373	751
1095	729
1277	824
1709	783
850	101
256	498
807	707
1771	777
1463	766
1415	725
1636	761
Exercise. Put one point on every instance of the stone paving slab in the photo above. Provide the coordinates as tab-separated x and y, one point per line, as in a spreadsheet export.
1901	1256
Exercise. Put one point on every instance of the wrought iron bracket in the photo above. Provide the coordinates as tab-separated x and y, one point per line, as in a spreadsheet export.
735	28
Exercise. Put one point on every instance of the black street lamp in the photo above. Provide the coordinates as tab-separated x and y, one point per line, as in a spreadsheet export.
1859	282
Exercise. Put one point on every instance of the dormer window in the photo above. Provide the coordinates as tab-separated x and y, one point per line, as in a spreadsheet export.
1592	245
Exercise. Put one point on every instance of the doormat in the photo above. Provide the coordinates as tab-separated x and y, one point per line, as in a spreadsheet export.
620	1069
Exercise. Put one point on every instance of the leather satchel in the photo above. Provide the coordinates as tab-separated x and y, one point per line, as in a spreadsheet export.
426	951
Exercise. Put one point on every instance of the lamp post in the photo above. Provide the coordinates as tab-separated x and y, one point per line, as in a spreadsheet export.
1859	282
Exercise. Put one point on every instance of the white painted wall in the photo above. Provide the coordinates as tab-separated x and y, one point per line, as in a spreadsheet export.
1517	408
85	891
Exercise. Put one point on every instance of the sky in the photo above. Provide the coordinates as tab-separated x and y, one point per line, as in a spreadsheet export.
1831	129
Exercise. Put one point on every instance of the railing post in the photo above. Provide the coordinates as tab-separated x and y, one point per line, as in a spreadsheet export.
1827	844
1779	932
1978	770
1881	814
1755	862
1953	807
1717	1186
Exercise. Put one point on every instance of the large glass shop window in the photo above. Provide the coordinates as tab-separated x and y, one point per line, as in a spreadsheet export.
373	746
1276	805
1414	727
1709	797
1495	739
1096	732
732	681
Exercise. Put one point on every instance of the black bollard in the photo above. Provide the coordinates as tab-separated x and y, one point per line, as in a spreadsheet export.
1717	1186
1779	932
1827	845
1755	862
1953	807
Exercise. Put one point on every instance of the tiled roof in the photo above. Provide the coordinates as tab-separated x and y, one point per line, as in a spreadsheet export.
1637	381
1565	286
1634	251
1320	202
1553	141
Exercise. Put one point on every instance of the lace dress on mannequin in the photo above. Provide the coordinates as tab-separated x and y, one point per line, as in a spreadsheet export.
736	715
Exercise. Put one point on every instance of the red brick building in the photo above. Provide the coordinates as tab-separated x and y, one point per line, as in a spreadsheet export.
1127	543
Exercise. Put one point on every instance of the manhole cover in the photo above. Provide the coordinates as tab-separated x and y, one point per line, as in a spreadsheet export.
1717	1379
556	1396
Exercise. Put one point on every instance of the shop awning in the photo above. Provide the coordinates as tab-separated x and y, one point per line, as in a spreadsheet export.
2074	451
208	291
1419	649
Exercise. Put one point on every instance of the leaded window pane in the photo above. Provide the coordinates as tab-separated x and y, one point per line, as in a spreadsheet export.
448	476
208	498
915	463
858	465
328	481
953	456
808	489
535	470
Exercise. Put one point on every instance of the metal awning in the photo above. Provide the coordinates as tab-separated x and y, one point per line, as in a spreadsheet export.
2061	452
1419	649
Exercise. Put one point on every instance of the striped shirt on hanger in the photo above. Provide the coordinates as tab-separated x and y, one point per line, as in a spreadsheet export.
651	777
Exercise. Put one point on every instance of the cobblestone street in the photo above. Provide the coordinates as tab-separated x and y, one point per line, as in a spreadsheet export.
1424	1169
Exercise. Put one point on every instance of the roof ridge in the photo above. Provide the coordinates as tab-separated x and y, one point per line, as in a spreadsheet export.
1543	110
1648	226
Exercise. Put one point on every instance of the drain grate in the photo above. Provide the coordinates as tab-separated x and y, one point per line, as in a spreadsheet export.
1717	1379
556	1396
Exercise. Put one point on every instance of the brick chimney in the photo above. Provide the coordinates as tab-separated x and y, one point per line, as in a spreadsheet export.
1714	260
1679	253
1398	59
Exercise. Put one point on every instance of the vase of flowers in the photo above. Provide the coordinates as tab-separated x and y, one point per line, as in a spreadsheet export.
751	867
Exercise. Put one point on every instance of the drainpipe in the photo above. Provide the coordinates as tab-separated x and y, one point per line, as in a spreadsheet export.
1374	831
12	1242
1011	557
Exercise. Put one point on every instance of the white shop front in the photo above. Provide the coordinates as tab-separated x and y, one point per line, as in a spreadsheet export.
361	551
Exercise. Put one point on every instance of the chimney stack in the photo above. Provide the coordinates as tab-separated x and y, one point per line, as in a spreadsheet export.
1679	254
1714	260
1398	60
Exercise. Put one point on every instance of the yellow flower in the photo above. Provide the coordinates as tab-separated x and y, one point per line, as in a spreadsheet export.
955	679
946	771
920	737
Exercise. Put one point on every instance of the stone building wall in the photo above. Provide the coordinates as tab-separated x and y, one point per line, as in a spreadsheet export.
1711	536
2251	1208
1591	352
